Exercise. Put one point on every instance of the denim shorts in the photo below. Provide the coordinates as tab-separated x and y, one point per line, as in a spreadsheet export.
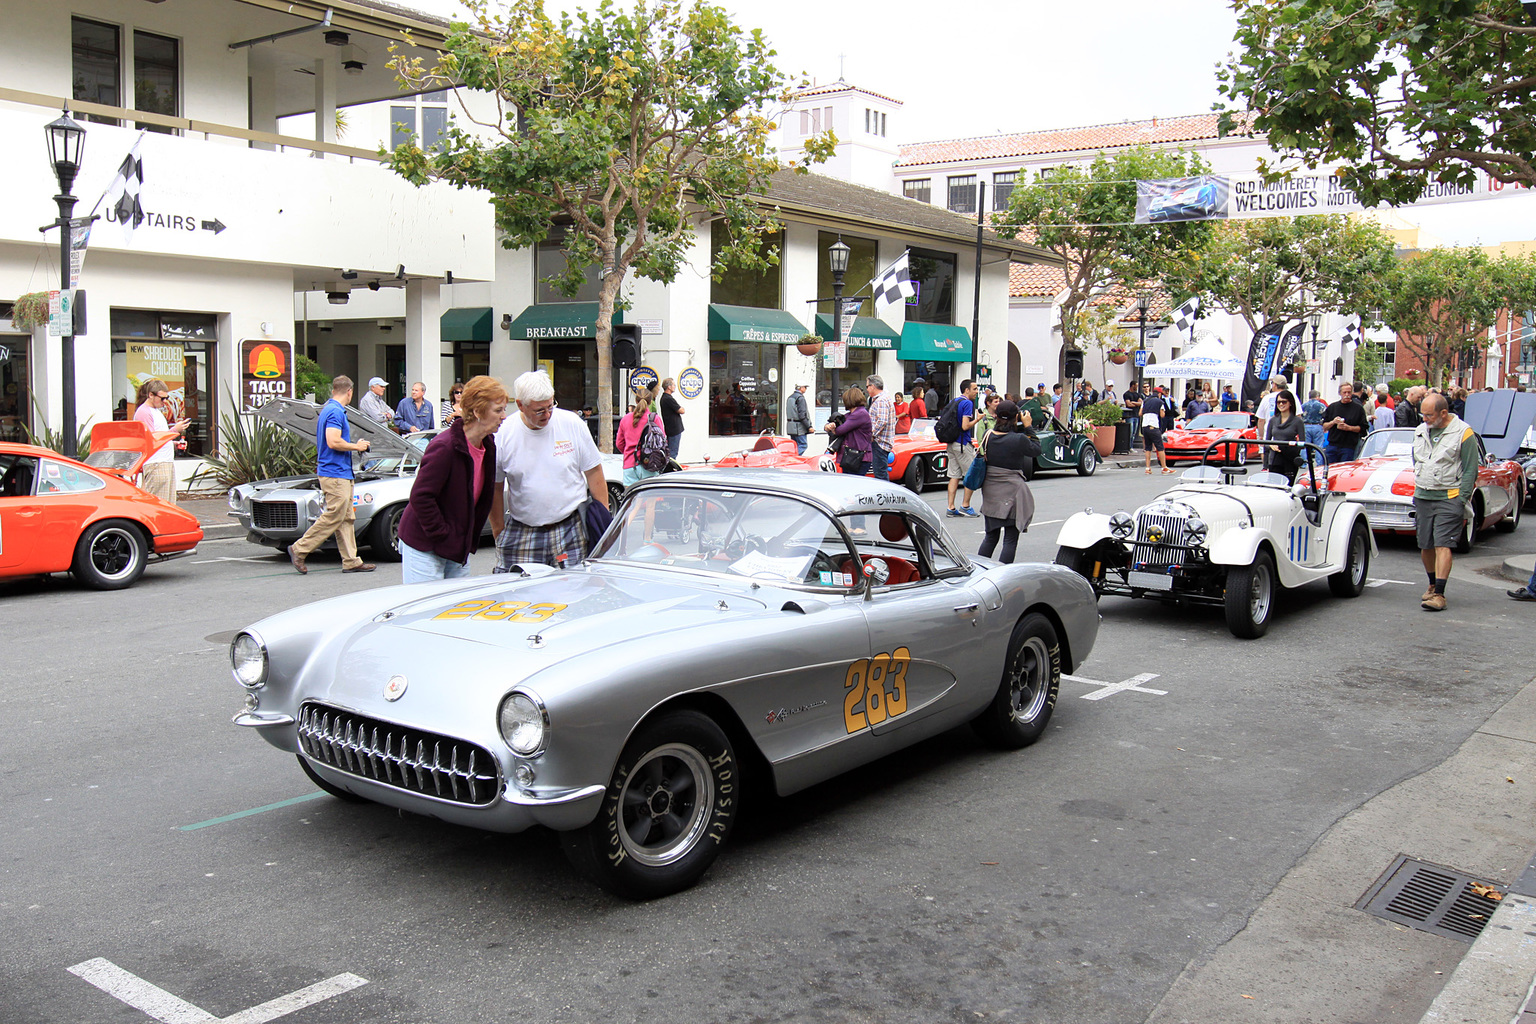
424	566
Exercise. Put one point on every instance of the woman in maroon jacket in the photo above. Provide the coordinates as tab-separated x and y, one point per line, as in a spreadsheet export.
451	497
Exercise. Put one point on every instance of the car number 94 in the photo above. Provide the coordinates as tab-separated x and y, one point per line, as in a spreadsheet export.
877	689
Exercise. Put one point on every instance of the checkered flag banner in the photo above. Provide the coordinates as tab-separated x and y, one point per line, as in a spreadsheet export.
893	284
1184	316
121	198
1352	335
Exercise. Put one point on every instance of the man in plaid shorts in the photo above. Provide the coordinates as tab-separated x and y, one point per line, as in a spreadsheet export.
546	464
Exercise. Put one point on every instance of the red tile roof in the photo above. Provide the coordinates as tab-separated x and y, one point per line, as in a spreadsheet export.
832	88
1155	131
1035	280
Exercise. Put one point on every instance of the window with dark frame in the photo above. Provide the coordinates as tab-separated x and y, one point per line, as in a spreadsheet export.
156	77
962	193
934	274
920	189
1002	188
97	69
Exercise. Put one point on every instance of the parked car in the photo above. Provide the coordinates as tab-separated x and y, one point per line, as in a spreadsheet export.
732	627
1189	441
277	512
87	518
1227	539
919	458
1062	448
1381	480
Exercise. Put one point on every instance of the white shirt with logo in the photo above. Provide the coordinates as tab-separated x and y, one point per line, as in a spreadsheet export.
545	470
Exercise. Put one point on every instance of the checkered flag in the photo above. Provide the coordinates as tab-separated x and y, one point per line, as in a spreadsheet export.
1184	316
893	284
1352	335
122	196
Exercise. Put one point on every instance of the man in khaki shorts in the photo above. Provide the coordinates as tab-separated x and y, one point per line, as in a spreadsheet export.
962	452
1445	460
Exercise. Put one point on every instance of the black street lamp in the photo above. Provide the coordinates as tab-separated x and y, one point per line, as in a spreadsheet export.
1143	303
837	260
66	143
1315	319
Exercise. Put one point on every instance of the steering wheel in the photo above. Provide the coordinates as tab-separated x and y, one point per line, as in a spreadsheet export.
743	545
820	561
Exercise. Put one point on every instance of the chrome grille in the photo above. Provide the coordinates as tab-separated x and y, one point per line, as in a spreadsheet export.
1146	552
409	759
275	515
1388	514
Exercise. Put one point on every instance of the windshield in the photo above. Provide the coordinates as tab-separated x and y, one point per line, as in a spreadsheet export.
1391	443
730	533
1219	421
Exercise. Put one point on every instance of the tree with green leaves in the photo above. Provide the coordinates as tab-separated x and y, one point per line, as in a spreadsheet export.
1443	301
1085	215
1279	268
1403	93
623	129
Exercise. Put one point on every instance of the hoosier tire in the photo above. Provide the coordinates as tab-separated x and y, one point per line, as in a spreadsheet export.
1031	681
1251	597
669	808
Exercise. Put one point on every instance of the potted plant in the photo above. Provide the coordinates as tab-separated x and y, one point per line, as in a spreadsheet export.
1118	356
30	310
1101	418
810	345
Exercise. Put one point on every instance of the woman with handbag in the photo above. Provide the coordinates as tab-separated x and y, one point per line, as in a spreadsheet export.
854	431
1007	505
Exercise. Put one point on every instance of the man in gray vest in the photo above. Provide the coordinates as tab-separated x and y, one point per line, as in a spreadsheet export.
1445	460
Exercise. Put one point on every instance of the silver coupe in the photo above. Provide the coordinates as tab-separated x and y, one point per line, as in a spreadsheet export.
732	626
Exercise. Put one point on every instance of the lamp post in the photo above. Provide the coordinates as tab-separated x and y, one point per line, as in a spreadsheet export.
837	260
1143	303
1315	319
66	142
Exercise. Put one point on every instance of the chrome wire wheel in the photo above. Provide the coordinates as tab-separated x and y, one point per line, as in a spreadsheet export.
665	804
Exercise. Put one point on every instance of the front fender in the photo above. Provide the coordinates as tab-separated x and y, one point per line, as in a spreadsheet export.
1237	547
1083	530
1344	521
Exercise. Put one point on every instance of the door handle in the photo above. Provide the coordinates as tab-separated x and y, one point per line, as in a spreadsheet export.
967	609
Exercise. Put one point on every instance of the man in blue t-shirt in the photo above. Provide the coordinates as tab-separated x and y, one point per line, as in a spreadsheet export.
961	451
333	462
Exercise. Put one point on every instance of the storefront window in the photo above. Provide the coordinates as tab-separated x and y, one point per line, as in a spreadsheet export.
744	383
15	396
178	348
741	287
934	275
861	363
551	264
861	270
572	366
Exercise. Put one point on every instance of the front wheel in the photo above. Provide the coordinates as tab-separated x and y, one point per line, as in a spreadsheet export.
916	476
1087	460
1469	527
334	790
1350	580
1027	694
110	555
1251	597
384	533
615	495
669	808
1080	562
1511	521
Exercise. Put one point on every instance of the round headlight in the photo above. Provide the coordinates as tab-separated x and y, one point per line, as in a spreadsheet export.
1122	525
316	503
1196	530
248	659
234	498
523	723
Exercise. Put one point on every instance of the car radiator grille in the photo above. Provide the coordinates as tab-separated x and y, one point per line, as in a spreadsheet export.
409	759
1145	552
275	515
1388	515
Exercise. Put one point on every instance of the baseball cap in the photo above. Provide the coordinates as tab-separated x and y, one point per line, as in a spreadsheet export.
377	382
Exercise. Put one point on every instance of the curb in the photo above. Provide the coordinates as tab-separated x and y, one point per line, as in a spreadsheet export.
1493	982
1518	567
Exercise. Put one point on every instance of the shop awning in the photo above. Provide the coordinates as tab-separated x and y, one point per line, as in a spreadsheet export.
935	343
751	323
552	321
467	323
868	332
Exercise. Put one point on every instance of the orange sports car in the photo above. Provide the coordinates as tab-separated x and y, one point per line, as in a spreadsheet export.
60	515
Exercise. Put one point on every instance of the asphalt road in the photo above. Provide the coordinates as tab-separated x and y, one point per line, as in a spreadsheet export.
1070	882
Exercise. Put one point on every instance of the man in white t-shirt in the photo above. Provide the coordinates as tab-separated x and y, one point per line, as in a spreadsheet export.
159	475
546	465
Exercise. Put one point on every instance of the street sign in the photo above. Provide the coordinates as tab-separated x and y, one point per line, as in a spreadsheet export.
61	313
1141	357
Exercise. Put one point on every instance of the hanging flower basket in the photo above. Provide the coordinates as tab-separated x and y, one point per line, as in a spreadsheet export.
810	345
1119	356
30	310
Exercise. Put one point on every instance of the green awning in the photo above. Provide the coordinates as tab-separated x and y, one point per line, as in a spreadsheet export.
935	343
751	323
868	332
467	323
552	321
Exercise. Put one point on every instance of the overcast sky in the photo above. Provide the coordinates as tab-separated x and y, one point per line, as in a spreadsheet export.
1008	66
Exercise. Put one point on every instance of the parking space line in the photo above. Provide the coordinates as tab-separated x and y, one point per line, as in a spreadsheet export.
159	1004
1110	689
227	558
254	810
284	1005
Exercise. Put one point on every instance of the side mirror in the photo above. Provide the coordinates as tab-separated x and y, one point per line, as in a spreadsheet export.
877	570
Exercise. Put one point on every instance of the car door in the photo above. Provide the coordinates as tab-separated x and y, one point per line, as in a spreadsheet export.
66	498
20	514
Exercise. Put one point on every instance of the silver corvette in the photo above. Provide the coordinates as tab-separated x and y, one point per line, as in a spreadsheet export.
732	626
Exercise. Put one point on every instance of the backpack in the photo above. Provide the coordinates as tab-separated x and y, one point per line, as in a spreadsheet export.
652	454
948	427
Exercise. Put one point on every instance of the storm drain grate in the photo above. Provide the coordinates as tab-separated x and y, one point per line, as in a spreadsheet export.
1432	898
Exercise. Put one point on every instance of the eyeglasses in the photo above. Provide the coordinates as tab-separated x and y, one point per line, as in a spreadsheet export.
163	395
542	410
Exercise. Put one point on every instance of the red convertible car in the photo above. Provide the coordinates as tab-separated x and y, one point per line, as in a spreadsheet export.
1381	480
60	515
920	460
1191	440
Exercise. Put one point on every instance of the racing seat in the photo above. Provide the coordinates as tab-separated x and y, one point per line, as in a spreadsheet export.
765	444
902	571
17	482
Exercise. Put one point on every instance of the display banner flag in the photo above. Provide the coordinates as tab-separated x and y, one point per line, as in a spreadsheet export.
1351	333
1248	196
894	283
1184	316
124	205
1290	350
1260	364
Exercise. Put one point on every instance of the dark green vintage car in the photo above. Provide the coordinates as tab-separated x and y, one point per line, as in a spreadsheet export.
1060	448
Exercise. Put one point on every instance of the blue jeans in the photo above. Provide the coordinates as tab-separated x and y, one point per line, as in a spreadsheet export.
799	440
1317	435
1335	454
673	440
424	566
879	466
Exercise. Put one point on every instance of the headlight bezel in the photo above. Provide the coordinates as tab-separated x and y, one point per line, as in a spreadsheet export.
1122	526
533	713
249	682
1196	531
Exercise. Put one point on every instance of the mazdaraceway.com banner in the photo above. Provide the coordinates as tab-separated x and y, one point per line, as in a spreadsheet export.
1248	196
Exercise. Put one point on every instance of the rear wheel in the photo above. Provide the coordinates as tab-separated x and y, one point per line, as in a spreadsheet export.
1026	696
1350	580
1029	468
110	555
1510	522
615	495
1080	562
1087	460
916	476
1251	597
1469	529
384	533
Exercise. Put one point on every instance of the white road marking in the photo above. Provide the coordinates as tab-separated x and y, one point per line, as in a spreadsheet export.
1046	522
168	1009
1110	689
1382	583
226	558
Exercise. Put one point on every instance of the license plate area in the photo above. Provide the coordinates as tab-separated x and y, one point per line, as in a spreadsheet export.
1149	580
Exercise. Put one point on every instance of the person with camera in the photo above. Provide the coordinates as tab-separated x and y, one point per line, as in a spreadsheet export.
1007	505
852	434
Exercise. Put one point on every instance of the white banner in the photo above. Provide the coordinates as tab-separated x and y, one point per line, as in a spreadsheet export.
1248	197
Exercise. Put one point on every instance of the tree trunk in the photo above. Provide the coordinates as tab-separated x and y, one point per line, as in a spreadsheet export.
607	410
